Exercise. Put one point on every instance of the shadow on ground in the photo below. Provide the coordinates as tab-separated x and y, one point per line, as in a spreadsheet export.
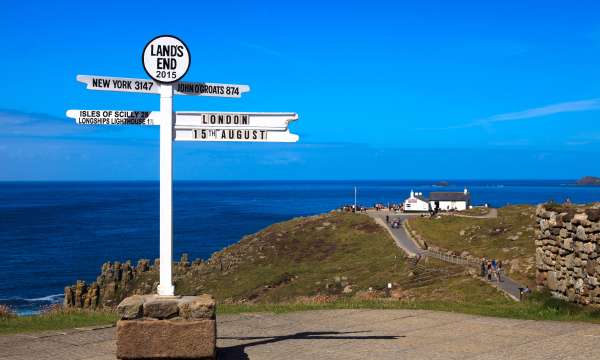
239	351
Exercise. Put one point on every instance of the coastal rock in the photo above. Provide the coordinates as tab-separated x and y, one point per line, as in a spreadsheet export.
69	298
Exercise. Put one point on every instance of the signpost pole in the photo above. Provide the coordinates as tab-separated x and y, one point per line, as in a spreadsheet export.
165	287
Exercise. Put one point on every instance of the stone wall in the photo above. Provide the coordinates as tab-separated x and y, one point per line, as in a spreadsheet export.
567	252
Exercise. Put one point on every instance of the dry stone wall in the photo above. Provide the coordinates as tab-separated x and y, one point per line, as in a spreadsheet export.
568	252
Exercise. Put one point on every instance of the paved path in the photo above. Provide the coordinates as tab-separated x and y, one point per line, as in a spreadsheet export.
406	243
347	334
399	235
508	286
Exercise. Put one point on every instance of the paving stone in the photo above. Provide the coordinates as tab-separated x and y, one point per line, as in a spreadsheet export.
346	334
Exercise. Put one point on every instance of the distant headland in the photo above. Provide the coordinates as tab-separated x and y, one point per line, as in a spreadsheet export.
589	180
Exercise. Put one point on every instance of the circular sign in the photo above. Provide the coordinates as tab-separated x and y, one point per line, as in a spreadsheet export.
166	59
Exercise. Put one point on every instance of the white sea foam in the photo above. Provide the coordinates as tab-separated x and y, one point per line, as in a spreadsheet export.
56	298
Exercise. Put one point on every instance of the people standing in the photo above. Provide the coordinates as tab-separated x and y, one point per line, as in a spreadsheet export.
483	268
495	269
499	270
489	270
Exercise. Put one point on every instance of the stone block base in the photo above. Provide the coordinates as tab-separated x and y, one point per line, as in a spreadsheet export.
155	327
170	339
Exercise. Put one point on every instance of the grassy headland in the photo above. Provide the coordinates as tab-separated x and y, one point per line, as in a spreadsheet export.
327	257
509	237
342	260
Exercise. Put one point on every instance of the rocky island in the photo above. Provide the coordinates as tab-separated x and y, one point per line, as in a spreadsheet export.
589	180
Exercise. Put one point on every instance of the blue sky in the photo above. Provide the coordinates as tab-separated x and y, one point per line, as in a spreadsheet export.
384	90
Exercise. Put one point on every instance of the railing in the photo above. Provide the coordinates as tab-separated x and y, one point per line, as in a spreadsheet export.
423	275
454	259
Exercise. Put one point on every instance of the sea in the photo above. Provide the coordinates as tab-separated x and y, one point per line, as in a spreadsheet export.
54	233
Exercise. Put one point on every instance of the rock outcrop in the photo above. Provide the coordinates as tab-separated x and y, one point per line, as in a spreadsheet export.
567	252
119	280
116	281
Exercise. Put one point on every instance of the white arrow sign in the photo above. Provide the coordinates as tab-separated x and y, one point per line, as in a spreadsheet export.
225	120
210	89
110	83
114	117
187	119
234	135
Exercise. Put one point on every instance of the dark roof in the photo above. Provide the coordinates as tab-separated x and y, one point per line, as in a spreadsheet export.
449	196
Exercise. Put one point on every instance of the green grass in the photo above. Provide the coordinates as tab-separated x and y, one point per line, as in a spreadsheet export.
539	306
508	237
56	320
478	211
302	257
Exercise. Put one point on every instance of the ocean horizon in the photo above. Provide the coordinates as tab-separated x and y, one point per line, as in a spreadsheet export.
56	232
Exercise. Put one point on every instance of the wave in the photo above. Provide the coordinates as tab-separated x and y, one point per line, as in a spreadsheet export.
31	306
54	299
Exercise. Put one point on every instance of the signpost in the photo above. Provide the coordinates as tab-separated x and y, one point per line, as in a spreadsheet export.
111	83
166	60
114	117
211	89
234	135
226	120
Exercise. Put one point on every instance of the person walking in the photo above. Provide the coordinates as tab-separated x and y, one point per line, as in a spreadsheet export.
489	270
500	271
495	269
483	268
387	219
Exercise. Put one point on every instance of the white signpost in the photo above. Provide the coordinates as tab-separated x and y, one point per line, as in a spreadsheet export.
166	60
226	120
110	83
237	135
114	117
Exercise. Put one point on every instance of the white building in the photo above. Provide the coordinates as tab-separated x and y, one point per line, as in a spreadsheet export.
438	201
446	201
416	202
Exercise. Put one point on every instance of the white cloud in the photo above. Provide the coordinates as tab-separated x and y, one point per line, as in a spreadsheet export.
560	108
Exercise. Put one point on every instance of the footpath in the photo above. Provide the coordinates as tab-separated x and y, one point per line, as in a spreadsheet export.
345	334
411	248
